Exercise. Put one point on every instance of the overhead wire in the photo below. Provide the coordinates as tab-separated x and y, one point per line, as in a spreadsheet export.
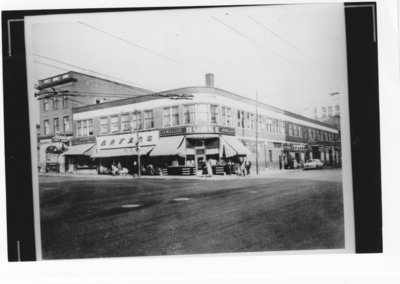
254	41
142	47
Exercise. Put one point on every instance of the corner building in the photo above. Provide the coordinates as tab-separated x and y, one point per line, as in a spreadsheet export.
180	128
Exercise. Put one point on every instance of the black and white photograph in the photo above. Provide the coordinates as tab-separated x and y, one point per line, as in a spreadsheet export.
190	131
199	142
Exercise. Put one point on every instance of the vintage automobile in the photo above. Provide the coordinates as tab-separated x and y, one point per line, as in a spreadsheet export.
313	164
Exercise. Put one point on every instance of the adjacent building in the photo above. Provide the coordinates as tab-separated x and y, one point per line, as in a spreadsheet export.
179	129
57	96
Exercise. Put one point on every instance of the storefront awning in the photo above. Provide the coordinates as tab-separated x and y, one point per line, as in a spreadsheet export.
169	146
231	146
121	152
84	149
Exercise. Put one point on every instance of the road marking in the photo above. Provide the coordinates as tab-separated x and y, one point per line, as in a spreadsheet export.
181	199
131	205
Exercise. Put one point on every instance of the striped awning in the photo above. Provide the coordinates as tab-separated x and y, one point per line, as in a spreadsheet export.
77	150
231	146
169	146
121	152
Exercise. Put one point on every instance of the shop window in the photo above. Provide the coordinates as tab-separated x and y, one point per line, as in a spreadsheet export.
46	127
148	119
56	125
202	113
136	120
125	122
214	114
65	102
104	125
114	123
66	123
189	112
45	104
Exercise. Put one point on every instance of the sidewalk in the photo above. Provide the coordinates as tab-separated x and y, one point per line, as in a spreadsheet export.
262	174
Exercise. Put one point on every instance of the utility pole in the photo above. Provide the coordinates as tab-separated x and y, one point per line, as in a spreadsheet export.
137	142
256	132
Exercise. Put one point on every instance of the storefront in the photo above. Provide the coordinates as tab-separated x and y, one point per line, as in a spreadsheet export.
122	151
294	155
183	150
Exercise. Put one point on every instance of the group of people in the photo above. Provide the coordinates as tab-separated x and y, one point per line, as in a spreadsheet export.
241	168
117	169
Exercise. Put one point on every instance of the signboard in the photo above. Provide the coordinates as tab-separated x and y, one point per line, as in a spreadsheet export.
147	138
60	138
83	140
197	129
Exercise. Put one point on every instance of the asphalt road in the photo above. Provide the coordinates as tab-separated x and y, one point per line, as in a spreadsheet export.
108	217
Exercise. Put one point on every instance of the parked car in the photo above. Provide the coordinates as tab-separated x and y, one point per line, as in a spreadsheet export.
313	164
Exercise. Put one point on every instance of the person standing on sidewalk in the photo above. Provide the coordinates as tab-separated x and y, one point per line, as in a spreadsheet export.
248	166
135	169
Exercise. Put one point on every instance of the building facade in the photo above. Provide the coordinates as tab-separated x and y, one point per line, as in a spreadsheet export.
179	129
57	96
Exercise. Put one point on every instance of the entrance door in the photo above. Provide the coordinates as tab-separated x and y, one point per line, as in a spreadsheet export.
199	159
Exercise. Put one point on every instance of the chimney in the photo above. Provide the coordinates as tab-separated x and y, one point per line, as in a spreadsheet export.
210	80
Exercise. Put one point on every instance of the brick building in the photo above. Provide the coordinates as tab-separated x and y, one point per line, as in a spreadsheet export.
58	95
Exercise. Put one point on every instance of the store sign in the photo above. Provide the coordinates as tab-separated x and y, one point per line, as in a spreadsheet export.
197	129
294	147
83	140
60	138
148	138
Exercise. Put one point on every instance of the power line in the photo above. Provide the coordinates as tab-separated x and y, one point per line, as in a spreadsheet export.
141	47
287	42
85	69
253	40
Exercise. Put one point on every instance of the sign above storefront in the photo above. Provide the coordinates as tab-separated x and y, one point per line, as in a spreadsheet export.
83	140
148	138
61	138
197	129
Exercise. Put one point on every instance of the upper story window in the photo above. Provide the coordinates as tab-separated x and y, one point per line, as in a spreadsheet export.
66	123
46	127
45	104
214	114
290	129
282	127
226	116
189	113
252	121
84	127
114	123
65	102
329	111
137	120
202	113
125	126
104	126
323	112
55	103
56	125
170	116
337	109
148	119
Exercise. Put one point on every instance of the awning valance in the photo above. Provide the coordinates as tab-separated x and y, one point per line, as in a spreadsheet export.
84	149
121	152
231	146
169	146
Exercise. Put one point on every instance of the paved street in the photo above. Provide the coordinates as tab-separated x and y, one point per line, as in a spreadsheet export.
108	216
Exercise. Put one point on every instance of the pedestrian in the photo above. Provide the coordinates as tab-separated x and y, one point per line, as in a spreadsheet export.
135	169
248	166
209	169
242	168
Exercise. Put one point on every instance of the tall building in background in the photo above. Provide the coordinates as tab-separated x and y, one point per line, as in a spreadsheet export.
58	95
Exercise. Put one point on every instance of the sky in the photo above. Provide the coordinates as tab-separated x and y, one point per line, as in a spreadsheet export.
290	55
